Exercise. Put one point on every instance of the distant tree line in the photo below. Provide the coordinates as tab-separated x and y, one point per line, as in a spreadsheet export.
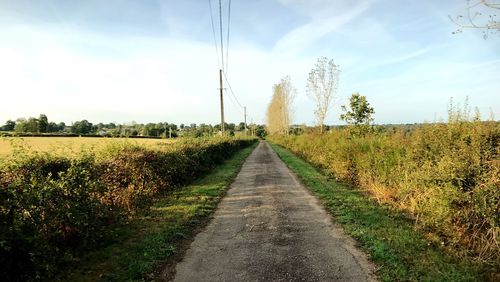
42	125
33	125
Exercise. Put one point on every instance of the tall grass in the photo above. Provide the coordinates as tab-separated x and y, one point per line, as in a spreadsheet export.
53	208
445	175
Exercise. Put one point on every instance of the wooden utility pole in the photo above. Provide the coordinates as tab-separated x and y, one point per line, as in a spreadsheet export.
245	108
252	129
221	103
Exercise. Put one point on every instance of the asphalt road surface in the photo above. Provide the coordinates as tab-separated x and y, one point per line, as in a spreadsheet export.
270	228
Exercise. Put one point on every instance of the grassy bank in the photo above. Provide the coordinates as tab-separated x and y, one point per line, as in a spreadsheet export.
402	252
162	232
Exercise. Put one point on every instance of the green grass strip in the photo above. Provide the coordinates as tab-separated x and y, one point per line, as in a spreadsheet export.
153	237
400	252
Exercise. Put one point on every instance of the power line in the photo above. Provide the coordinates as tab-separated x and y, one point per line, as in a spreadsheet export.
233	97
235	104
228	29
213	32
223	61
220	25
234	100
231	90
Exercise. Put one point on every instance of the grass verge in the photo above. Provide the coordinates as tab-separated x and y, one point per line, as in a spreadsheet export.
159	234
401	252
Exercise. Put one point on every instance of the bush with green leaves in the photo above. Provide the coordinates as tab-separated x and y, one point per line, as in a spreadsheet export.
445	175
54	208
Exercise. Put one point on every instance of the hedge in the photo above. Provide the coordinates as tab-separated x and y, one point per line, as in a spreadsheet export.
52	208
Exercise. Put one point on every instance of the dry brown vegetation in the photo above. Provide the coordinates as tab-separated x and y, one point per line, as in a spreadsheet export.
445	175
279	111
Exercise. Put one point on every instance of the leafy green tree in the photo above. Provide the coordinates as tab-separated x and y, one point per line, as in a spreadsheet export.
9	126
359	113
98	127
61	126
217	126
152	129
231	127
52	127
56	127
81	127
43	123
20	126
241	126
260	131
173	126
32	125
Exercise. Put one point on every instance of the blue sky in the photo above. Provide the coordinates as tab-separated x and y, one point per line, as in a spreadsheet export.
151	61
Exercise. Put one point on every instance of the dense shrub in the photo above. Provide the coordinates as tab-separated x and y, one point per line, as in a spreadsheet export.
48	212
446	175
53	208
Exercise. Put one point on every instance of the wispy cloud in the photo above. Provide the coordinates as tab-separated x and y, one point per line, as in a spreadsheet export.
155	60
406	57
394	60
324	19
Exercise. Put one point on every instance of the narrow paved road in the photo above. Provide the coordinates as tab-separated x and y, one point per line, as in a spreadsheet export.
270	228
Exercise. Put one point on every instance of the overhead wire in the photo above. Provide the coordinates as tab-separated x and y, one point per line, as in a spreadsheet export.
233	97
234	102
214	35
232	92
221	41
228	30
227	55
223	63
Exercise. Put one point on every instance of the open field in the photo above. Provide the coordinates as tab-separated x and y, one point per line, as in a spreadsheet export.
69	145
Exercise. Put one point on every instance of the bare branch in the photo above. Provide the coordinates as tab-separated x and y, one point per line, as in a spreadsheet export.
490	4
322	85
475	18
